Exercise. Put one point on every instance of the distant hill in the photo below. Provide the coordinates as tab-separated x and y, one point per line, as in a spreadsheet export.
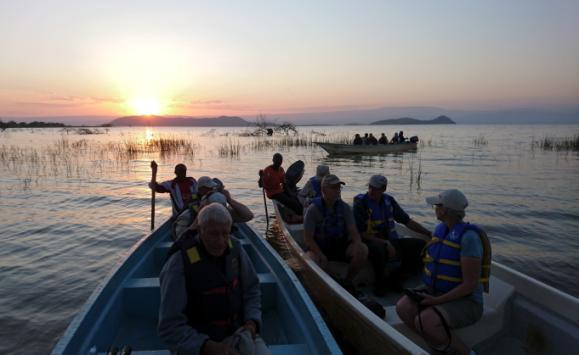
406	120
180	121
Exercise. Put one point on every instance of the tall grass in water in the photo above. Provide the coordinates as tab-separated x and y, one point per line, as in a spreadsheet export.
230	149
558	144
480	141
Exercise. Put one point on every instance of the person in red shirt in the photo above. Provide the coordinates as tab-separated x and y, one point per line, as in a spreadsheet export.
182	189
272	179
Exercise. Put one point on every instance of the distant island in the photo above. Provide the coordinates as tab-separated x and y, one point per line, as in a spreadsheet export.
34	124
180	121
406	120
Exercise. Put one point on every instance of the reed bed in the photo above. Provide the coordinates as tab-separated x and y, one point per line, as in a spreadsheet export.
557	144
82	158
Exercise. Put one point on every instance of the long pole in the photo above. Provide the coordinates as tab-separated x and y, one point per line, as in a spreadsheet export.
153	182
265	205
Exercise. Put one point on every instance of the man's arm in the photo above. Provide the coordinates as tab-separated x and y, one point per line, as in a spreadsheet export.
309	229
153	185
418	228
402	217
241	211
173	328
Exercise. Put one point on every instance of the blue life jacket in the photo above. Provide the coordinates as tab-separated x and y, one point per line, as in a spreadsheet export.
214	295
333	229
380	216
317	186
442	269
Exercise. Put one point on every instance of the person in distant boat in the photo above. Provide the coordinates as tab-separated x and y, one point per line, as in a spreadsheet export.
365	139
330	232
372	140
313	187
375	213
240	213
394	139
182	189
401	138
457	271
357	140
383	139
210	293
272	179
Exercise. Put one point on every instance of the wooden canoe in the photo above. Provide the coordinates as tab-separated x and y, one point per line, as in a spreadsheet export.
521	315
123	310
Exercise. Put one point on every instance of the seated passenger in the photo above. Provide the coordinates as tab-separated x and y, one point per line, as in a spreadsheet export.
372	140
357	140
394	139
210	292
240	213
457	269
383	139
313	187
401	138
330	232
375	213
205	185
272	179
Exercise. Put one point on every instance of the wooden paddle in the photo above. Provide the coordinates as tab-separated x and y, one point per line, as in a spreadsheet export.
153	181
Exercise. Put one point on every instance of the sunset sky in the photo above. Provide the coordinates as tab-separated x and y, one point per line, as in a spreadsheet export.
112	58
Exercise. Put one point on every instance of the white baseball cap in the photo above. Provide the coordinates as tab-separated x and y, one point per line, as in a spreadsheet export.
453	199
206	181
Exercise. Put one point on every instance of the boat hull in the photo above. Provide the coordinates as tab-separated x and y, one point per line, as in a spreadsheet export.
338	149
123	310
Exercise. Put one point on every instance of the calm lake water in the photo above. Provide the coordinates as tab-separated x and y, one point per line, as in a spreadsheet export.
71	205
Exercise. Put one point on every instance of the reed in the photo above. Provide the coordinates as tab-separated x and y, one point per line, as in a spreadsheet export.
480	141
557	144
230	149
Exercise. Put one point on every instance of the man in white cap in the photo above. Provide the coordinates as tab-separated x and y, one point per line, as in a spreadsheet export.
330	231
457	270
239	212
376	213
313	187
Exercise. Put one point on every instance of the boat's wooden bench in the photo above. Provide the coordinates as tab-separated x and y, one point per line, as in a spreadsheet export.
491	323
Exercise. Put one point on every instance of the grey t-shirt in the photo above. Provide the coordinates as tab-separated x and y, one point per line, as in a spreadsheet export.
314	217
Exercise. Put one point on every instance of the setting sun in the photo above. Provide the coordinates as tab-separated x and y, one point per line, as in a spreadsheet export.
145	106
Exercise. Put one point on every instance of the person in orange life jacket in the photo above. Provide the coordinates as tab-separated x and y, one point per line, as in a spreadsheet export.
272	179
330	231
182	189
313	187
376	213
452	275
210	292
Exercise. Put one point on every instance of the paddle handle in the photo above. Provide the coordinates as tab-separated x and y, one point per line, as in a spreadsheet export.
265	205
153	180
